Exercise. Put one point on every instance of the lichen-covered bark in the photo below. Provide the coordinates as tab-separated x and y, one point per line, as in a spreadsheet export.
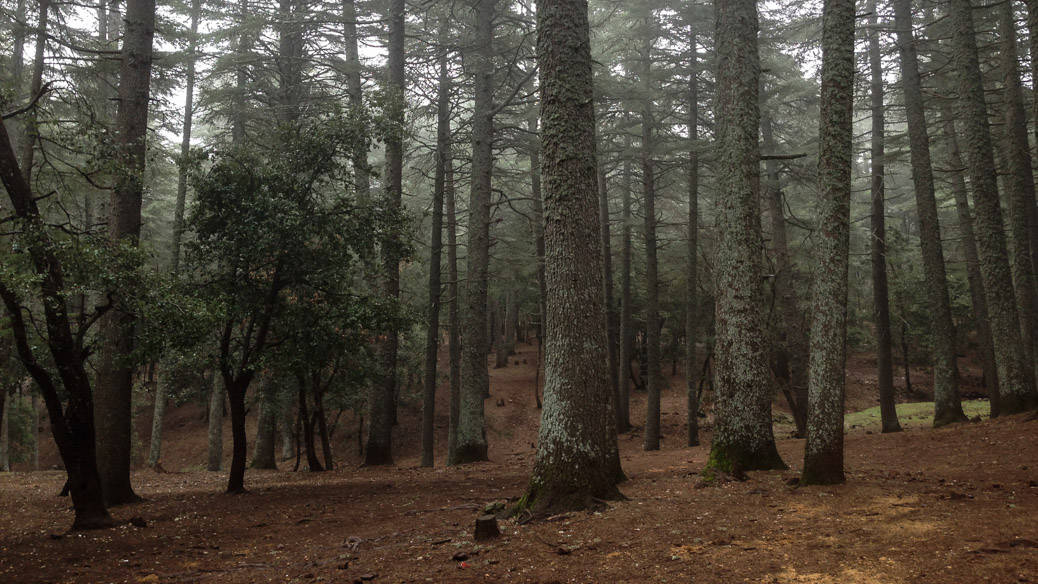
878	241
743	437
471	443
1013	386
1019	185
577	458
652	287
382	394
947	404
823	453
691	298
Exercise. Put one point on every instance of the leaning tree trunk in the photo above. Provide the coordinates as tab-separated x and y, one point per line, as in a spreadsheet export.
113	408
947	404
577	457
969	246
1015	392
382	395
652	289
823	454
471	443
691	298
432	337
1020	189
743	437
880	287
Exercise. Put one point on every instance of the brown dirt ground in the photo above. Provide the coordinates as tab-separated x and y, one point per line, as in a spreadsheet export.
954	505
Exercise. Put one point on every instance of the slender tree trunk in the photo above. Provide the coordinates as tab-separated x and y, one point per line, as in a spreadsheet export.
382	398
880	287
791	347
215	435
623	410
612	318
322	426
312	462
823	454
1020	189
691	296
17	64
115	376
432	337
538	236
471	444
577	457
947	404
743	438
27	141
236	397
454	326
354	88
652	291
1015	392
969	246
285	425
5	433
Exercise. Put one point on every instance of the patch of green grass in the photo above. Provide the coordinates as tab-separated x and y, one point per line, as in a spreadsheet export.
911	415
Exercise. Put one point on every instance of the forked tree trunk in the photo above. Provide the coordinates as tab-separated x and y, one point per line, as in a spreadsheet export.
823	453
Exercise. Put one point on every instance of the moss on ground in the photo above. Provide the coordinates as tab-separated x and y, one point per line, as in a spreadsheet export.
911	415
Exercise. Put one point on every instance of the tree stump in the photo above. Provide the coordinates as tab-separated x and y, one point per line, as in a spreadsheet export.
486	528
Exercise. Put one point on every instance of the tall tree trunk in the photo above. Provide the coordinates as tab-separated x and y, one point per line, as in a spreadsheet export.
947	404
115	377
1015	393
612	318
969	245
1021	192
623	410
791	347
454	326
432	337
691	275
471	444
577	457
652	291
382	398
538	237
823	454
743	437
266	427
18	63
1032	34
354	88
878	241
27	141
217	399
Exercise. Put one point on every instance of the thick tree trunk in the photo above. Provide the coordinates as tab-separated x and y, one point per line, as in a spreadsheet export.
1019	185
652	290
382	399
538	237
880	287
691	296
577	457
1015	392
236	396
215	433
115	376
969	246
1032	33
266	427
471	443
823	454
432	337
947	404
743	437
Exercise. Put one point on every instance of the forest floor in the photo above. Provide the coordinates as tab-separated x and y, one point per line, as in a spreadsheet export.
952	505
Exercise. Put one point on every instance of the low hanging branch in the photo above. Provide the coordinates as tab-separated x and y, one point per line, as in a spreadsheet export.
32	103
783	156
